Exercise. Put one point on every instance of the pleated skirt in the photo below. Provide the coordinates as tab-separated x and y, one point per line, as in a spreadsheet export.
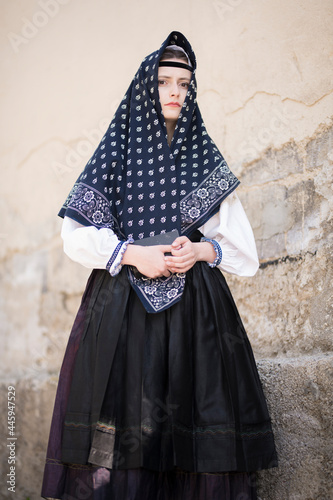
161	406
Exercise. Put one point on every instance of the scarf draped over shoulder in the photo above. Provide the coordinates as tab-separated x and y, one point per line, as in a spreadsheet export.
139	186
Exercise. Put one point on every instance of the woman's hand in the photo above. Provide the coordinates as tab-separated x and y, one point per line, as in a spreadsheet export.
185	254
149	260
152	262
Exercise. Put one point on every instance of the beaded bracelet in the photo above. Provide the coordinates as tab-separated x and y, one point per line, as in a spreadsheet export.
114	264
218	252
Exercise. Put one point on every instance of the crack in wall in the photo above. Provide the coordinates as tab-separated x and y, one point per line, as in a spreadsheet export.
283	99
286	259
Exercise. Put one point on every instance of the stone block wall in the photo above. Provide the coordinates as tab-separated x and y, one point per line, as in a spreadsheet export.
287	309
265	92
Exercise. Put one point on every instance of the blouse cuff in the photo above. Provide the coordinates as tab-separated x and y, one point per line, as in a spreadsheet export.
218	252
114	264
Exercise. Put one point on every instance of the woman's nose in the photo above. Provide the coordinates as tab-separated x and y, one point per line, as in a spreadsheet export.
174	90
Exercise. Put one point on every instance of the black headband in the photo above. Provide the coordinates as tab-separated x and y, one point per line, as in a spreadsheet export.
175	65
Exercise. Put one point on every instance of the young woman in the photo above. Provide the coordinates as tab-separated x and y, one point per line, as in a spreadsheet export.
159	396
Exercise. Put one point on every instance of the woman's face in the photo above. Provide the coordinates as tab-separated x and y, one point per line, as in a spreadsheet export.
173	84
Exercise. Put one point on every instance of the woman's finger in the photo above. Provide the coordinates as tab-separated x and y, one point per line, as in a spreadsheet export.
180	241
164	248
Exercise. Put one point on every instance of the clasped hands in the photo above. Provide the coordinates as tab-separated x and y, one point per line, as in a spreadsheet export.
182	258
153	262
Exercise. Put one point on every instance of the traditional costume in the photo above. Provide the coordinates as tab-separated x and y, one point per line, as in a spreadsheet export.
159	396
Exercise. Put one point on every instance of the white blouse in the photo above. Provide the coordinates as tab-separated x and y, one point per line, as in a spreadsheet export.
93	248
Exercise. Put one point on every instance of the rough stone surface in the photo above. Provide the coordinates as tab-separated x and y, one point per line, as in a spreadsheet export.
293	207
299	393
34	404
267	101
287	306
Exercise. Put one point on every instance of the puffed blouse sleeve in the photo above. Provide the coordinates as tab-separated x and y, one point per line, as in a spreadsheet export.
231	229
93	248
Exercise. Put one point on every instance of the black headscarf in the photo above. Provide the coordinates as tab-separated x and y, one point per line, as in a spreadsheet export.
139	186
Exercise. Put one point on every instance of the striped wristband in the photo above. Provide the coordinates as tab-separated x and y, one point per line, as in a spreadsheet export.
114	264
218	252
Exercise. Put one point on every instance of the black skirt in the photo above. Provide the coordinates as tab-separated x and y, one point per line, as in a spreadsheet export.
160	406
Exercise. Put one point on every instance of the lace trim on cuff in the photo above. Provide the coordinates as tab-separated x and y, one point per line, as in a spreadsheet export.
218	251
114	264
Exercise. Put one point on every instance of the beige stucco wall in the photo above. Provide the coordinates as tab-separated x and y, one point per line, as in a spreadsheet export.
265	91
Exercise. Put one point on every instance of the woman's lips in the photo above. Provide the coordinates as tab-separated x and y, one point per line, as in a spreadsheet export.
173	104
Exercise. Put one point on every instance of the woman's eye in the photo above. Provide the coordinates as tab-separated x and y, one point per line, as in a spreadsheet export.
185	85
161	82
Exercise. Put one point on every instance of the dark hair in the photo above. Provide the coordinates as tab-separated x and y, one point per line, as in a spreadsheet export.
173	54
